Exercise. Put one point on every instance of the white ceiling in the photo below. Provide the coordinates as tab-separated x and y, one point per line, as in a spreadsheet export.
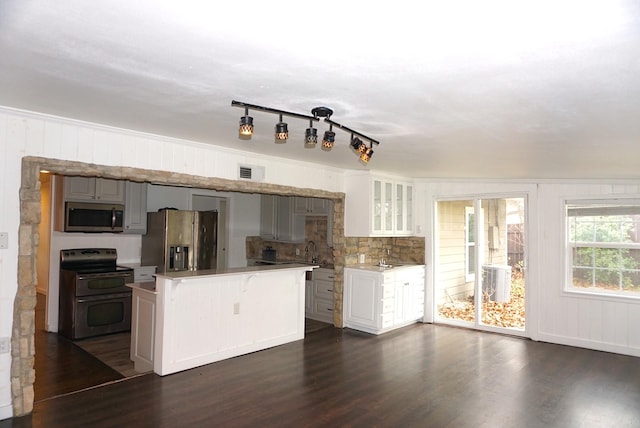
456	88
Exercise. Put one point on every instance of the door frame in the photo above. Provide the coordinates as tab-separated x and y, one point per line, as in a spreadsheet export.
431	288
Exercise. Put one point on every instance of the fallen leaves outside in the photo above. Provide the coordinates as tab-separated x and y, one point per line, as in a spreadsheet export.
500	314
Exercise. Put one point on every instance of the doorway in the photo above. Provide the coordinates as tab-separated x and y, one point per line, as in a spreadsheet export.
480	263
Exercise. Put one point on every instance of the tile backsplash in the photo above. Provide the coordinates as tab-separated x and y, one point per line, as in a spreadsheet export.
401	250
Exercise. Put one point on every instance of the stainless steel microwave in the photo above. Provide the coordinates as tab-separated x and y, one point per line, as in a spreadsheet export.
93	217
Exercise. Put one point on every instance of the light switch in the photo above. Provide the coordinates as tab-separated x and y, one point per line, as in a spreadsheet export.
4	240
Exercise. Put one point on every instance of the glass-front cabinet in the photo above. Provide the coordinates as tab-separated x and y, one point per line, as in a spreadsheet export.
383	207
404	208
389	203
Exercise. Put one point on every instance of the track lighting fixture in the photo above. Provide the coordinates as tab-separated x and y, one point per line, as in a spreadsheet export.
246	124
311	133
282	131
366	155
362	149
329	139
357	144
310	136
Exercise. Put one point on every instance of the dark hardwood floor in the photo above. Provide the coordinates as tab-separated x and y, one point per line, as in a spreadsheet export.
423	375
61	366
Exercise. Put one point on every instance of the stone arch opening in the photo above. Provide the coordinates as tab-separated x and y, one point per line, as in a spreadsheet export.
23	331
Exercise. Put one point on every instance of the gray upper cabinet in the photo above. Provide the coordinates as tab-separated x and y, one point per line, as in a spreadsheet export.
135	208
311	206
268	217
93	189
278	221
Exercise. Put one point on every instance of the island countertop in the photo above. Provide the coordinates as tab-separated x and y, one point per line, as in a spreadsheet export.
234	271
387	268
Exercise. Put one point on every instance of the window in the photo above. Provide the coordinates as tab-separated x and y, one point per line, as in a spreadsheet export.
470	243
603	247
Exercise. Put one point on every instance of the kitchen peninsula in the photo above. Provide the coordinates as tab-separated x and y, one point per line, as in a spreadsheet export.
192	318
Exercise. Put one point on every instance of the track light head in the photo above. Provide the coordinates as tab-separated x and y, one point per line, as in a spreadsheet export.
310	136
246	125
366	155
328	139
282	131
357	144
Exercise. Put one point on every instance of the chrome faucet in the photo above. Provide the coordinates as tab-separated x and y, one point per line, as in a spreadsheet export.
384	260
314	256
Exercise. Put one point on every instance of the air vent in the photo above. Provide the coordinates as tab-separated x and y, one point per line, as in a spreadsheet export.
245	172
250	172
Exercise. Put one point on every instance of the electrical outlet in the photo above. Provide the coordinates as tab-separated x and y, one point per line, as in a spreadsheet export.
297	251
5	345
236	308
4	240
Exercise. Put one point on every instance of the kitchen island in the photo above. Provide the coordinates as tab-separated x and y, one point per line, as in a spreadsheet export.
192	318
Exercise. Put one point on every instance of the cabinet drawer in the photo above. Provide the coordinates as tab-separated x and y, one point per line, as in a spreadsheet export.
387	305
324	309
323	289
388	277
412	274
387	320
388	291
143	277
144	273
323	274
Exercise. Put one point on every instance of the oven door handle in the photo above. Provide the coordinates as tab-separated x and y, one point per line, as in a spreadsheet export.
124	275
101	298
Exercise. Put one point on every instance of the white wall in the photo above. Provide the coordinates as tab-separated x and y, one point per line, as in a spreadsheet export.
605	323
602	323
552	315
29	134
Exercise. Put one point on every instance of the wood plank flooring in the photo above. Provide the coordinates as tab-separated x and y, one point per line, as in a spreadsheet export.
61	366
421	375
114	350
64	366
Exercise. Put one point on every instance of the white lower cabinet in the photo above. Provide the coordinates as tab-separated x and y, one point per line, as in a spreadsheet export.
376	302
319	295
143	321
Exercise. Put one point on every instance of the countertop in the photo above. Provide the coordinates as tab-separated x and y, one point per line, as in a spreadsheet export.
144	286
323	265
235	271
376	268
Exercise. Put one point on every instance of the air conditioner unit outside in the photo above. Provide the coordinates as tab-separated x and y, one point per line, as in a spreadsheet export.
496	282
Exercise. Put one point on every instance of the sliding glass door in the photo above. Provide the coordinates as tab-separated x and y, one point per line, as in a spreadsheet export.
480	254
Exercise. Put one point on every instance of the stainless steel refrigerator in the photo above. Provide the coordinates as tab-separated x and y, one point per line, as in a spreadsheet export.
179	240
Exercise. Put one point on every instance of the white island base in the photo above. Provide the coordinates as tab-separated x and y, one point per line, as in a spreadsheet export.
207	316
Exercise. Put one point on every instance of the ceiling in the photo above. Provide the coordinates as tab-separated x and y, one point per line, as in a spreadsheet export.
456	88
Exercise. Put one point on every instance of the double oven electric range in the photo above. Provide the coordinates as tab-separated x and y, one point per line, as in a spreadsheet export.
94	298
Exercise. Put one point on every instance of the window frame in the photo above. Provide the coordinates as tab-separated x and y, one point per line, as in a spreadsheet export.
470	247
612	206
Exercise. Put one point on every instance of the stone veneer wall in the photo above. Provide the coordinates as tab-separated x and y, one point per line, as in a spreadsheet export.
22	336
